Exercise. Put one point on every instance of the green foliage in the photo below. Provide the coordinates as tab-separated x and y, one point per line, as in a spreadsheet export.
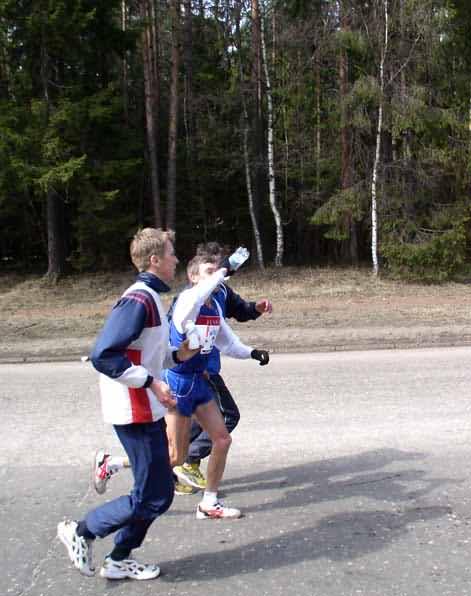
436	259
61	174
67	127
353	42
336	213
362	99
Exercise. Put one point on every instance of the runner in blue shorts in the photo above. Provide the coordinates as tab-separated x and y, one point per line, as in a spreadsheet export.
197	315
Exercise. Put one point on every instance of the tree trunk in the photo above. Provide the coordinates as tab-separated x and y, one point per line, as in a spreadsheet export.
245	142
55	229
317	78
270	156
173	117
257	126
345	138
55	237
406	152
150	109
374	207
248	181
124	67
469	121
194	187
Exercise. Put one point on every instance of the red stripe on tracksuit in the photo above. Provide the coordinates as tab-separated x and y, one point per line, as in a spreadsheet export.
140	404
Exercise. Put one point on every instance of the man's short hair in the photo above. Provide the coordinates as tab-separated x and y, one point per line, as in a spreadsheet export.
211	248
193	266
148	242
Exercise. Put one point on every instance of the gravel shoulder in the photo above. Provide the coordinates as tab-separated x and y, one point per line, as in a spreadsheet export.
314	310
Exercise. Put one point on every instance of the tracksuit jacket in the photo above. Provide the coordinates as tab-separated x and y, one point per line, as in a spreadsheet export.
131	350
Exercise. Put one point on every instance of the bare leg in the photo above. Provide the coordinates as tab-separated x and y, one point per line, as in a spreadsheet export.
178	434
210	418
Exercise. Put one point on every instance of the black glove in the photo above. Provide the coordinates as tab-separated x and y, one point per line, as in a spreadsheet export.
261	355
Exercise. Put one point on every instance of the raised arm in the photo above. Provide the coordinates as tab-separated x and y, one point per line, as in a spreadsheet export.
191	300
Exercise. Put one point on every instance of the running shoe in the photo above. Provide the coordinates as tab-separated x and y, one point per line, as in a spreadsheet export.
129	568
78	548
101	471
191	474
217	511
183	489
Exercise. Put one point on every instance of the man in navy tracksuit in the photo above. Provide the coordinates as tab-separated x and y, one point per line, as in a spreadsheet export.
130	353
232	306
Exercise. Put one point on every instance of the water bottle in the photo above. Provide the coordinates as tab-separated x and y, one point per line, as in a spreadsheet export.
238	258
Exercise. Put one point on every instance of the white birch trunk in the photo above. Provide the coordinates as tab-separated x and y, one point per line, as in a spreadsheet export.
271	168
374	207
248	178
256	231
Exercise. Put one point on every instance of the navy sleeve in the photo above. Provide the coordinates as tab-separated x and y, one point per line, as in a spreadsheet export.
123	325
237	308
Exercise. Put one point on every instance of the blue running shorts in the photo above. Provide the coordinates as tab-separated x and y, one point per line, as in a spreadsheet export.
191	390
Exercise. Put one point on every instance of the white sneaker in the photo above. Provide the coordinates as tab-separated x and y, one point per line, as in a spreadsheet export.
128	569
218	511
101	472
78	548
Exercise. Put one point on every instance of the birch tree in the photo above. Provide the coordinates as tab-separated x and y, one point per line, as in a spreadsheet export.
257	122
245	146
379	128
270	144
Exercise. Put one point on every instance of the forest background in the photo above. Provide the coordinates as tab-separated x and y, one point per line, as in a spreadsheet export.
312	131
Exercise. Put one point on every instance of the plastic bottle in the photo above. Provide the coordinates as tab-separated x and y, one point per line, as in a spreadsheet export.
238	258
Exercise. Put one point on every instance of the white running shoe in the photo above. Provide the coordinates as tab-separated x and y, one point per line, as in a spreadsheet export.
78	548
218	511
101	472
128	569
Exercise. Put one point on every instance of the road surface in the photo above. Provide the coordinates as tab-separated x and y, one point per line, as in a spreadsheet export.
352	470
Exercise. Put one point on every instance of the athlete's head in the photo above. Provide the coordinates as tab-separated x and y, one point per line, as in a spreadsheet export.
152	250
201	267
212	249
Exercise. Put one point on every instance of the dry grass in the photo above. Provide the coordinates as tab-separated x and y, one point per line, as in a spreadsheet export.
307	300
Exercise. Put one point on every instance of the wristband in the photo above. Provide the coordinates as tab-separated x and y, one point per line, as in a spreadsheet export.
148	382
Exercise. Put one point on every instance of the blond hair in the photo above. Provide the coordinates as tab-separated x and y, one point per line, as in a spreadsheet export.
148	242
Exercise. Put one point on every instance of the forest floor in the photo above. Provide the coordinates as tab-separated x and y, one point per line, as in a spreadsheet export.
315	309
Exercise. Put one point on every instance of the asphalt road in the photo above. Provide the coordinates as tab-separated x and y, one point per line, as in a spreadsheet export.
352	469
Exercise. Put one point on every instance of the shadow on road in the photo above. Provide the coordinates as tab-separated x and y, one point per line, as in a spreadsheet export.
359	475
340	536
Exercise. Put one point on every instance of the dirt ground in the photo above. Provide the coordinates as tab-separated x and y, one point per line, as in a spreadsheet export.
315	309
